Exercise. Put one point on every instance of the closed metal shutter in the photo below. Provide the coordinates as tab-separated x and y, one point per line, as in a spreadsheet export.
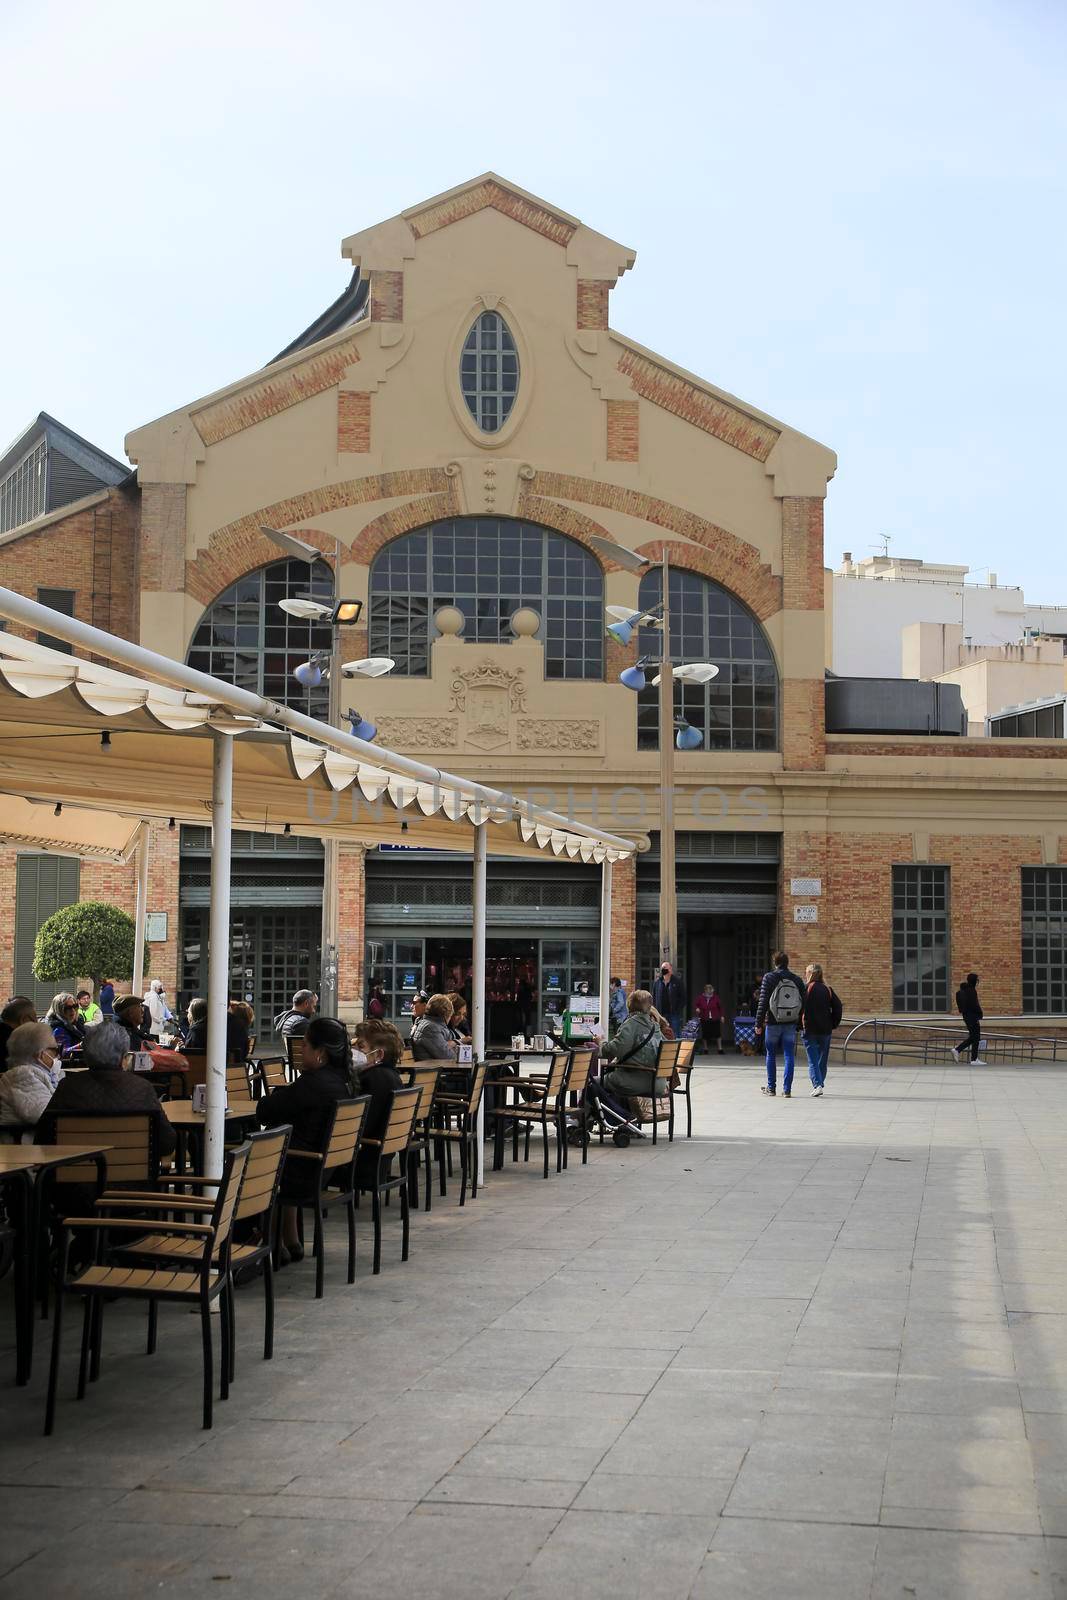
43	884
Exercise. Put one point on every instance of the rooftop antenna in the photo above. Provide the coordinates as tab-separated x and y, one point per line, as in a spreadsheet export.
886	540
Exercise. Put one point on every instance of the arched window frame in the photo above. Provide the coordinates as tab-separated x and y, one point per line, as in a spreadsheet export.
453	374
489	371
245	638
739	709
441	564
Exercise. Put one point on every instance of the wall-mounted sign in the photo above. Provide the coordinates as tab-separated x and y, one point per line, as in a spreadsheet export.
805	886
805	913
155	927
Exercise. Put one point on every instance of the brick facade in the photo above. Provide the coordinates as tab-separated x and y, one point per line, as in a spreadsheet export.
696	405
353	421
284	388
94	552
387	297
624	922
803	724
623	430
593	302
351	887
491	194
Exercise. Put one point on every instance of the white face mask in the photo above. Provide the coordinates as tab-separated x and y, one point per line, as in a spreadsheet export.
358	1058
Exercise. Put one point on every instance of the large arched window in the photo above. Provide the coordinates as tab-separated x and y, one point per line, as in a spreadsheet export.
738	710
245	637
488	567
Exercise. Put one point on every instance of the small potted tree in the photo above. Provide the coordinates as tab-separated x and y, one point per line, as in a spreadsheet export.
88	940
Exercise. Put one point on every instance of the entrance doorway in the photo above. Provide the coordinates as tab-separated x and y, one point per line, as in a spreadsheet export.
272	955
511	975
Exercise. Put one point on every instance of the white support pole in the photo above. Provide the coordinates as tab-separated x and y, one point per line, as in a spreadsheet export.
141	912
329	994
605	943
218	979
478	975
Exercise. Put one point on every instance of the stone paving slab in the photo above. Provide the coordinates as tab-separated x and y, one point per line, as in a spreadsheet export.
818	1350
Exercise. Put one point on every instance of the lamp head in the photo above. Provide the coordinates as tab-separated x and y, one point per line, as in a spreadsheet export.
622	631
688	738
633	678
346	613
308	674
359	727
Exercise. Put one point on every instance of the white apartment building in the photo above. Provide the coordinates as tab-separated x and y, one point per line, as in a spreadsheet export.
874	600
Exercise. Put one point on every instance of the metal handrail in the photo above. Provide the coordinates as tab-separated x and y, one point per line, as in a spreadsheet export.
889	1039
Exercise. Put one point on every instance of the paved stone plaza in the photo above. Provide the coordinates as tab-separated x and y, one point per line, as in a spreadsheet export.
818	1350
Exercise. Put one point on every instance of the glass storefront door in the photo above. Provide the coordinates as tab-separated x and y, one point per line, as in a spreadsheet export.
272	954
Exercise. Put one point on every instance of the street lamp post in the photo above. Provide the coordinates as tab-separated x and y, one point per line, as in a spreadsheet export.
343	613
687	738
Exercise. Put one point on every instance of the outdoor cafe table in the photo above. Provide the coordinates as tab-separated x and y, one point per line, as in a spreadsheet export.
188	1124
22	1167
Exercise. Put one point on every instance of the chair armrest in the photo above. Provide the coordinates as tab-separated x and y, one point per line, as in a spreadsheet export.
176	1202
370	1141
137	1225
305	1155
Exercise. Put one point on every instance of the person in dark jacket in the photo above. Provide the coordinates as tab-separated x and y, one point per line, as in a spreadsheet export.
63	1020
381	1044
236	1031
668	997
294	1022
107	1086
107	997
325	1077
774	1027
635	1045
129	1014
970	1010
821	1015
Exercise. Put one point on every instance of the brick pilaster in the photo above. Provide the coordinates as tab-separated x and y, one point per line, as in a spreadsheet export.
624	922
387	297
593	302
351	899
623	430
353	421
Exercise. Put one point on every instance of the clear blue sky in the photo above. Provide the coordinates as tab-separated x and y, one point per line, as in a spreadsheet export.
850	215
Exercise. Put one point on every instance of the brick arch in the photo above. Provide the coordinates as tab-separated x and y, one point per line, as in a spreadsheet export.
691	558
711	550
239	547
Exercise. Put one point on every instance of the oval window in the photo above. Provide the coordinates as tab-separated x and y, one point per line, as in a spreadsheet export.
489	371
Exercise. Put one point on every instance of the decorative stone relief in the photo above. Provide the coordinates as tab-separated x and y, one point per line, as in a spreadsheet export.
551	733
419	733
488	695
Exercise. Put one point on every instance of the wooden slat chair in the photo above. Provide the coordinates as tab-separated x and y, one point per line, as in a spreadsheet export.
541	1105
200	1283
683	1069
238	1086
650	1109
394	1142
573	1107
335	1180
256	1206
294	1054
456	1123
425	1080
269	1073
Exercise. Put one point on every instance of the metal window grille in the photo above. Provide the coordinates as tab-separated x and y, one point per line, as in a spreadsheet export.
1045	722
246	639
61	600
738	710
1044	940
920	938
489	371
488	567
23	491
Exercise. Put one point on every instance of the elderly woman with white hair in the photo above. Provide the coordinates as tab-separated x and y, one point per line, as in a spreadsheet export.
33	1073
108	1086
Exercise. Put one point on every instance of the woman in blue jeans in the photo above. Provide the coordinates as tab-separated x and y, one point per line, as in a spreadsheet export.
821	1015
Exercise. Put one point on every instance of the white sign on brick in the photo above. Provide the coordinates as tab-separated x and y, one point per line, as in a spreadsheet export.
805	886
805	913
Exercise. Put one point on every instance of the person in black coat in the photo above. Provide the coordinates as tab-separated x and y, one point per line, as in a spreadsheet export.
129	1014
820	1016
381	1045
236	1031
325	1077
970	1010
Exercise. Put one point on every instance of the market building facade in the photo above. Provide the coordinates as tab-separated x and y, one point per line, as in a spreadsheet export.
454	435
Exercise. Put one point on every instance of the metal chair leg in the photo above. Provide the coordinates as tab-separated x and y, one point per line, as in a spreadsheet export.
268	1307
320	1252
83	1360
205	1333
53	1366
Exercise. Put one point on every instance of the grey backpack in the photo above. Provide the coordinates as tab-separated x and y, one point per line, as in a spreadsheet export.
786	1002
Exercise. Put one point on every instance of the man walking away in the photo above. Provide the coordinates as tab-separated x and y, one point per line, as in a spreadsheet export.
822	1014
778	1010
668	997
616	1006
969	1009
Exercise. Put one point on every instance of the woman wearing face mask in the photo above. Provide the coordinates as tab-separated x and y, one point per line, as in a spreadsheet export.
380	1045
32	1075
326	1076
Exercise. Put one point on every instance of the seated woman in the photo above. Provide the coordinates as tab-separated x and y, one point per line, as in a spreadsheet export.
459	1027
107	1086
129	1014
326	1076
381	1044
635	1045
33	1073
236	1030
431	1038
63	1020
240	1029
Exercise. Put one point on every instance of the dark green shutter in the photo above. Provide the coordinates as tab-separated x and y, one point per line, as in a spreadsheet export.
43	884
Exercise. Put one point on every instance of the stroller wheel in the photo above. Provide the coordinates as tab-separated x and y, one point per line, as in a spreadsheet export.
621	1138
574	1135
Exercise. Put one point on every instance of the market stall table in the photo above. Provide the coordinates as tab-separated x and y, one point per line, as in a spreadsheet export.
22	1166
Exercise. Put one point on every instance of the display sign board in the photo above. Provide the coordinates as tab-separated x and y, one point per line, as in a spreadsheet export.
802	886
805	913
155	927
